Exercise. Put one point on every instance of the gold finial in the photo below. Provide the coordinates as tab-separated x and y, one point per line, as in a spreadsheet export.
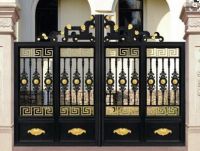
130	26
83	28
62	32
108	17
91	17
38	39
137	32
68	26
116	27
92	26
44	35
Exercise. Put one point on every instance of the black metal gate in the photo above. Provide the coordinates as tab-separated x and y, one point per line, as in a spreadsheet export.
92	89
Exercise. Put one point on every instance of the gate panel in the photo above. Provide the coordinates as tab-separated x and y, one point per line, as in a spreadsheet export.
122	121
165	99
35	94
77	105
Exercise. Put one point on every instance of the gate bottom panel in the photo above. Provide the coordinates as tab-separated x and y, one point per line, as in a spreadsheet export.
35	132
121	131
164	131
77	131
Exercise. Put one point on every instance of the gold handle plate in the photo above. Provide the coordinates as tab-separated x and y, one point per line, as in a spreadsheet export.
77	131
163	131
122	131
36	131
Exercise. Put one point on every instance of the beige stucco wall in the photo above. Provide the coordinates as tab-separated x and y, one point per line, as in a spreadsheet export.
74	12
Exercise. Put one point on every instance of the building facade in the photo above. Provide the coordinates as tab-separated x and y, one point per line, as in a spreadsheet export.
33	20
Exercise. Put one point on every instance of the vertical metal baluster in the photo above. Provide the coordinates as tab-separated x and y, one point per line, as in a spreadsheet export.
128	63
115	81
36	90
83	65
163	92
122	90
156	81
89	91
42	94
30	64
70	62
24	70
110	91
175	89
151	90
134	70
48	89
64	92
169	95
76	90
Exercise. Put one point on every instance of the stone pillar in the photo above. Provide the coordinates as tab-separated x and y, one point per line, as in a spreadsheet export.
8	18
191	18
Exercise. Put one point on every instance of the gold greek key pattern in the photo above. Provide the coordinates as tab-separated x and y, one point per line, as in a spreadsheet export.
26	111
122	111
163	111
76	110
77	52
163	52
122	52
36	52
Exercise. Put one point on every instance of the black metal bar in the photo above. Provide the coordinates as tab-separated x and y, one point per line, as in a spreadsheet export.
169	95
70	79
83	65
128	64
156	81
99	74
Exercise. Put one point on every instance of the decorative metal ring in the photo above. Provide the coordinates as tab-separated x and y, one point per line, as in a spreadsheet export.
36	81
122	81
163	81
76	81
64	81
110	81
24	81
48	81
134	81
89	81
175	81
151	81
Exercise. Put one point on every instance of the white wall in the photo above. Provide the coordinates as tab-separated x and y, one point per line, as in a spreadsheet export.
74	12
159	15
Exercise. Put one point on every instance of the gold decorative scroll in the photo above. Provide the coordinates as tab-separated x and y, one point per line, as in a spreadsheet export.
26	111
122	111
163	131
163	52
163	111
36	52
122	52
77	131
76	110
122	131
36	131
76	52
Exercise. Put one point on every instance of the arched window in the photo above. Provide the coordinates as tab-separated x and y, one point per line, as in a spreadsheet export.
46	16
131	12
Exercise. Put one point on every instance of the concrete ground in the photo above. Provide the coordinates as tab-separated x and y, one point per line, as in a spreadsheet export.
99	149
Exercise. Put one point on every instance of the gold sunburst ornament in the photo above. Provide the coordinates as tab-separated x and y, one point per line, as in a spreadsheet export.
134	81
175	81
110	81
163	131
36	81
64	81
77	131
122	131
48	81
163	81
151	81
